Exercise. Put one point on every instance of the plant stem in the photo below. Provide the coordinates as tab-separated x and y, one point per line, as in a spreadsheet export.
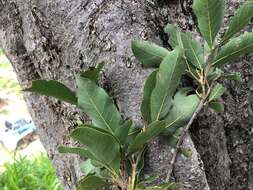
184	132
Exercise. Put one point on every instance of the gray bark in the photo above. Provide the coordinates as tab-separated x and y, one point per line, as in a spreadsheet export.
55	39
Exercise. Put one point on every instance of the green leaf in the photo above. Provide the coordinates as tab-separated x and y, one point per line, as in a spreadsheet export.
239	20
98	105
148	53
148	89
54	89
193	50
88	168
216	92
216	106
168	79
235	48
91	182
102	145
210	15
233	76
122	132
93	74
151	132
183	108
83	152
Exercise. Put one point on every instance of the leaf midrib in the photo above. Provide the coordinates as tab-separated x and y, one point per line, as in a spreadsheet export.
224	57
237	26
164	97
213	96
100	115
194	53
209	23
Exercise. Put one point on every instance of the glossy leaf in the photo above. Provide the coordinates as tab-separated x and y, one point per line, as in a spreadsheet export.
168	79
217	106
148	89
216	92
239	20
148	53
235	48
103	146
93	73
210	15
98	105
193	50
91	182
151	132
183	108
54	89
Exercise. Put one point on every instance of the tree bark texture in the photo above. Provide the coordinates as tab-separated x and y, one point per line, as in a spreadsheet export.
56	39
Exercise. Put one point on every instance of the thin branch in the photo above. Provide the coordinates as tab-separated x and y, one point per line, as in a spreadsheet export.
184	132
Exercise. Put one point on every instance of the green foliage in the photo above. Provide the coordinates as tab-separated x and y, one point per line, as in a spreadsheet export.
183	107
210	15
29	174
148	89
54	89
168	78
240	20
93	73
216	92
94	101
234	48
148	53
193	51
104	146
91	182
152	131
217	106
114	148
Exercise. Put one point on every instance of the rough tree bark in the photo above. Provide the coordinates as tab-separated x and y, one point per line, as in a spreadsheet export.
55	39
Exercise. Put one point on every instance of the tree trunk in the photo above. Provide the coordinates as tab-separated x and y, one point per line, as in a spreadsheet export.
55	39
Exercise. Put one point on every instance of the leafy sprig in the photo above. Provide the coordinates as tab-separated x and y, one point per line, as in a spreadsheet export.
113	149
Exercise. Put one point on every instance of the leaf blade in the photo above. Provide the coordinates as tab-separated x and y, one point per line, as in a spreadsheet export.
168	78
148	89
98	105
152	131
183	108
217	106
234	48
239	20
210	14
83	152
103	146
193	50
93	74
91	182
148	53
216	92
54	89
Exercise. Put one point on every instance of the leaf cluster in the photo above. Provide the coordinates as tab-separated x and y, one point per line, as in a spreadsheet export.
114	148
